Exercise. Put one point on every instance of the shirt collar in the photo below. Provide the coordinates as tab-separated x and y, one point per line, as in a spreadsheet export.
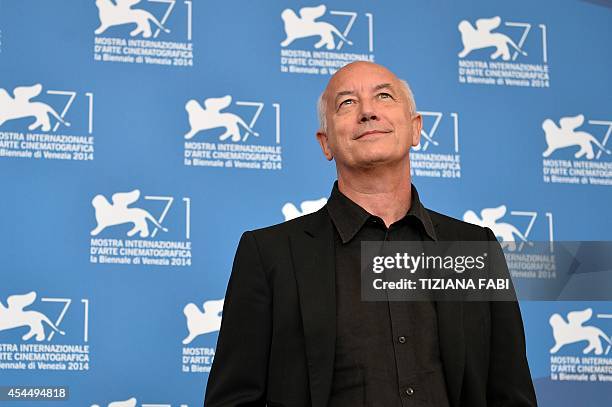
349	217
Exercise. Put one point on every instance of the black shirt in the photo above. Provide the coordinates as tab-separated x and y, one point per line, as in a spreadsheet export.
387	352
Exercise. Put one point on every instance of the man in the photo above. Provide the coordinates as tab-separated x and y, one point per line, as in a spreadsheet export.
295	331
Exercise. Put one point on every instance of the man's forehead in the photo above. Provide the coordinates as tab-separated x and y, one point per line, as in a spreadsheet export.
367	76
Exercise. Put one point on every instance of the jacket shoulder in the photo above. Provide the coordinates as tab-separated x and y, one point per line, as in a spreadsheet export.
274	242
287	228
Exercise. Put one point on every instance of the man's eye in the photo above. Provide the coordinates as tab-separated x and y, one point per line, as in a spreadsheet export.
347	102
385	96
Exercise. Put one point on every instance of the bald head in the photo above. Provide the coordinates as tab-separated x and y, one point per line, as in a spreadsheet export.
360	68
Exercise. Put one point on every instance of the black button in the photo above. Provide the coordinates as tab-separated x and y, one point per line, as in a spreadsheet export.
402	339
409	391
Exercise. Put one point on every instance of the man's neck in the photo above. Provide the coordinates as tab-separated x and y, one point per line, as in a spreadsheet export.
381	192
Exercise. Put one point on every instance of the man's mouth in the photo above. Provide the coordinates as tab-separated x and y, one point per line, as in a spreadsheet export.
371	132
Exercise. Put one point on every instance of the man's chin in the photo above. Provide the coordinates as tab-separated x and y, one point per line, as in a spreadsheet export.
377	160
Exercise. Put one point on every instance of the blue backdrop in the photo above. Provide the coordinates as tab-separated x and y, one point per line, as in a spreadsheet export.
138	140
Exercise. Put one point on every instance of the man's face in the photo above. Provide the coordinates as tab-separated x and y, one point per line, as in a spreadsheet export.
368	118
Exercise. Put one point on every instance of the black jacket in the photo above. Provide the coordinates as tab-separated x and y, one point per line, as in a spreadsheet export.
277	339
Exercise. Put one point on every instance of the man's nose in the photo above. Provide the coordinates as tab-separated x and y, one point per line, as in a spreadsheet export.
367	113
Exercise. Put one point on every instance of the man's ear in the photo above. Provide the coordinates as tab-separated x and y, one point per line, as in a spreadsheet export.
322	138
417	125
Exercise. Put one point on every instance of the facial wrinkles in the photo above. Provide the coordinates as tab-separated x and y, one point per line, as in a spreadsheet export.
374	102
349	85
345	126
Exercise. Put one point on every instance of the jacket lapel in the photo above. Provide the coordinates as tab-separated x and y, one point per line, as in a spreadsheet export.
451	336
314	266
452	346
